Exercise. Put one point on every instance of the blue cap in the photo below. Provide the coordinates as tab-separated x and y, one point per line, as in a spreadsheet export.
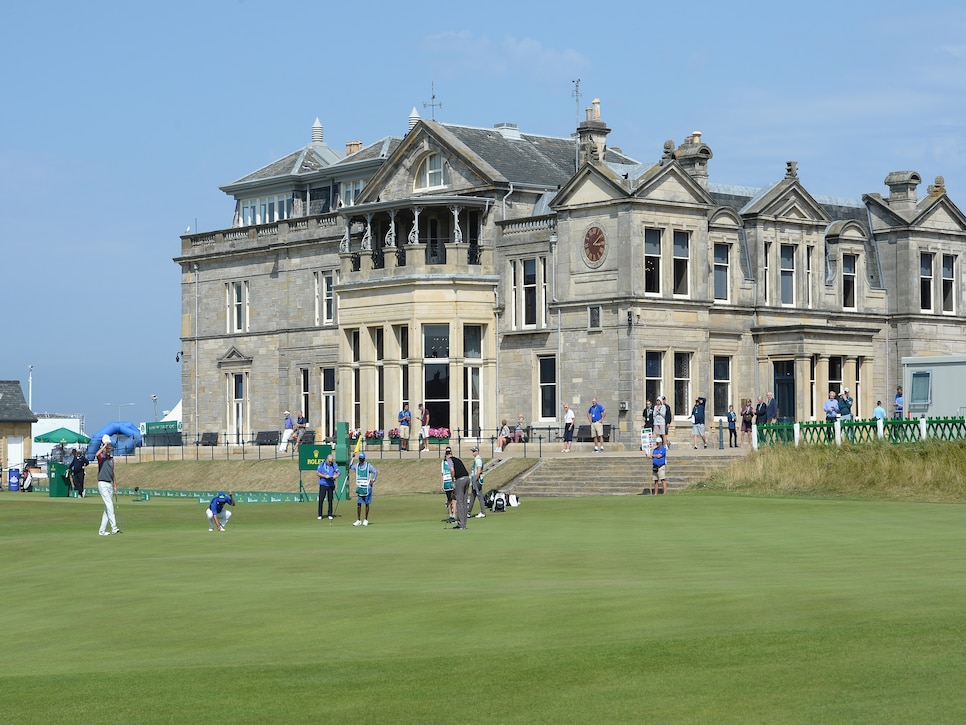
362	455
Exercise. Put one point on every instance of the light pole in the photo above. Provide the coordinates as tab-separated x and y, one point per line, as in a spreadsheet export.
118	406
154	399
30	387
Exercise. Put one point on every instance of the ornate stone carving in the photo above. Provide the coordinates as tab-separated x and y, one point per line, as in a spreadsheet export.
457	232
414	232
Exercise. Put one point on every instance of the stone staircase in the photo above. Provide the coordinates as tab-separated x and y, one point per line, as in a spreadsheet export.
613	474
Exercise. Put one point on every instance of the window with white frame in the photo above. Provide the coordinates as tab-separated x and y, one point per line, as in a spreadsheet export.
681	246
266	209
433	173
721	396
949	300
593	317
327	424
237	413
721	266
808	276
682	383
788	274
849	264
304	392
349	191
324	298
236	294
652	261
925	281
836	368
547	366
529	304
764	276
377	334
355	347
653	375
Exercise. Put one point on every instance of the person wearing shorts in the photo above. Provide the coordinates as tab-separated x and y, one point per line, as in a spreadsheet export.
658	456
405	417
697	418
365	477
596	414
661	414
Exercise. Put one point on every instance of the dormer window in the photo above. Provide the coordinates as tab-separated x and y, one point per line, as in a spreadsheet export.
432	173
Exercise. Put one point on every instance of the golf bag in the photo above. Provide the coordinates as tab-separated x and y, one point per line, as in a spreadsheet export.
488	498
499	502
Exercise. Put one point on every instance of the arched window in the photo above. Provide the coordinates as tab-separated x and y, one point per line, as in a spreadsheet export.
432	173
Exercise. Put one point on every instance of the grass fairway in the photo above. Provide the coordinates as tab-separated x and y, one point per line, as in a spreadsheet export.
690	608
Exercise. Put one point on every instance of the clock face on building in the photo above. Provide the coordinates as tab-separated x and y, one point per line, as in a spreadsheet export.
595	244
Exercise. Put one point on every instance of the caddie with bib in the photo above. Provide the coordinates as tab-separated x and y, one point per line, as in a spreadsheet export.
366	475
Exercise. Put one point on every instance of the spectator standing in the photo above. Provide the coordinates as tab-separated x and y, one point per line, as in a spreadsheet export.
732	427
328	473
648	415
216	512
424	428
661	416
476	483
365	478
569	419
747	417
518	431
77	465
846	402
697	422
596	414
405	417
106	485
288	426
658	456
761	412
898	403
878	412
771	408
831	408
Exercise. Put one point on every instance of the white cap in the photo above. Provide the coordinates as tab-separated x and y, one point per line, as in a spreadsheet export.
105	438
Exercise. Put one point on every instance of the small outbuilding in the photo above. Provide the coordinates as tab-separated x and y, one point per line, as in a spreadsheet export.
934	387
16	420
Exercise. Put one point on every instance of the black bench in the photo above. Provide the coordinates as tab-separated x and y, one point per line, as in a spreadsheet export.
583	435
308	436
266	438
209	439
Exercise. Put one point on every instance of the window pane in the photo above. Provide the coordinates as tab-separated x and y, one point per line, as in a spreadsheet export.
652	365
436	341
652	241
473	341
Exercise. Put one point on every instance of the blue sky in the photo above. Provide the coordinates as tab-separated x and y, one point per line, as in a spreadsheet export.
121	120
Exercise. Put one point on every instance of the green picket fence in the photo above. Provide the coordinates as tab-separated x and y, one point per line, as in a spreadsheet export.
861	431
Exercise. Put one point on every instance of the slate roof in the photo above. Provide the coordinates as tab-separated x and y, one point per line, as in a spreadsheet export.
739	197
13	406
525	158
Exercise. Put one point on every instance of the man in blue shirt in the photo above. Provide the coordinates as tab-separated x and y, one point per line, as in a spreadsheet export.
405	418
596	415
217	514
658	456
289	426
328	473
898	402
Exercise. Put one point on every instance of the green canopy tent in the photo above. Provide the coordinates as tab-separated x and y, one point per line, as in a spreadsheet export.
64	436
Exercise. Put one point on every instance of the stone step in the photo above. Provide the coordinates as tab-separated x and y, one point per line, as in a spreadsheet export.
613	475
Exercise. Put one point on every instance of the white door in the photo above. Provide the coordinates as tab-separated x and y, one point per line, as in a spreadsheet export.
15	452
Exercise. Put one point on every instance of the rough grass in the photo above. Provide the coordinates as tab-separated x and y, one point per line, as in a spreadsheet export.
932	471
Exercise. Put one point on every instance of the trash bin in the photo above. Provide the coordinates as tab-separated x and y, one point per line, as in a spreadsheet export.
57	480
13	479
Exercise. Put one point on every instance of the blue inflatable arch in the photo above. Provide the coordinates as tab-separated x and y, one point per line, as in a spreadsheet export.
125	437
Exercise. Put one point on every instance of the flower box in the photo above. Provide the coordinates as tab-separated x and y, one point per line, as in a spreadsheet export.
373	441
435	440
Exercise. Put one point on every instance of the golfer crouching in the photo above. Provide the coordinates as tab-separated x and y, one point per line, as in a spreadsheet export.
217	514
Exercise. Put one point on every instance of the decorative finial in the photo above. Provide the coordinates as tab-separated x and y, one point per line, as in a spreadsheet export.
791	169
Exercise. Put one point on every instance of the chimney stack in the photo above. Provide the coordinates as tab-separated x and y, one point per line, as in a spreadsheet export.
902	191
693	157
352	146
592	136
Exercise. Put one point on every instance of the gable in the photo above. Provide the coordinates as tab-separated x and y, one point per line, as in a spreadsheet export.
233	357
943	217
591	189
789	202
672	184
